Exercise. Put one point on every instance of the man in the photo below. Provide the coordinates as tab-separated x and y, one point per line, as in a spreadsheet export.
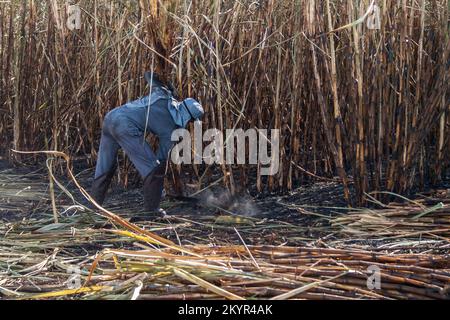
125	127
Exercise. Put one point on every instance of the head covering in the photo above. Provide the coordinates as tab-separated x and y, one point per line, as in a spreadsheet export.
185	111
194	108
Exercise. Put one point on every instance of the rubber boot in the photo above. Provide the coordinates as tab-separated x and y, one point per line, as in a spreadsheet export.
100	187
153	189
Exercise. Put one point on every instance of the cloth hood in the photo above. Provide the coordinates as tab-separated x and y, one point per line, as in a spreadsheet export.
185	111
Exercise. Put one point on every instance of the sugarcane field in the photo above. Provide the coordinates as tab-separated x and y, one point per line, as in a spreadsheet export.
224	150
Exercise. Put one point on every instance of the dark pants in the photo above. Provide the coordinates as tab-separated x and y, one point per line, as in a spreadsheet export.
123	128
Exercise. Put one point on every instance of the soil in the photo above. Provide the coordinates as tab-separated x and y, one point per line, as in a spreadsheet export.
291	218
